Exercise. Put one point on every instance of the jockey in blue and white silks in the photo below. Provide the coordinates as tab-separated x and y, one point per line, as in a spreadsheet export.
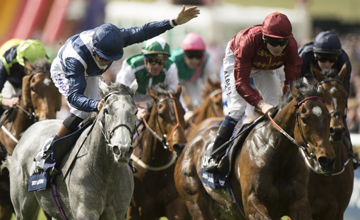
76	71
86	56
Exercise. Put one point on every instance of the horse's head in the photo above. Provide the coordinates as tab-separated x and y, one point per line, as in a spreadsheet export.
212	95
312	126
335	99
39	92
117	118
168	113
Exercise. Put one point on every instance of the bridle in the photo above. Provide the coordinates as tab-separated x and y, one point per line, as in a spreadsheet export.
166	142
108	135
308	156
30	115
334	113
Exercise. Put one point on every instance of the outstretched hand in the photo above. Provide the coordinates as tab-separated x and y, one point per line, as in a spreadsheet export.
186	15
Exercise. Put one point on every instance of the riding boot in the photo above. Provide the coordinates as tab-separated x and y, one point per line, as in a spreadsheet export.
48	149
224	133
350	149
133	168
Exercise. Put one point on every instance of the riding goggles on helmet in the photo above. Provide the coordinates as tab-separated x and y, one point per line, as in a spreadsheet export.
158	59
198	54
323	57
276	41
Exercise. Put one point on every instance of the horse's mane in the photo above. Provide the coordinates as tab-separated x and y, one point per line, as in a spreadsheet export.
42	64
304	88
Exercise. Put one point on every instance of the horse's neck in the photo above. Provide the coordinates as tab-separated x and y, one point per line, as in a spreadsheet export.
203	112
286	118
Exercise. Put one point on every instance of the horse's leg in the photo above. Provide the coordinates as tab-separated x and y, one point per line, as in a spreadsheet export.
5	212
255	210
300	210
132	212
176	210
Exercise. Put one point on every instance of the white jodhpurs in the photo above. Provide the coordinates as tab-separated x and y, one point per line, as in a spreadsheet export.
267	82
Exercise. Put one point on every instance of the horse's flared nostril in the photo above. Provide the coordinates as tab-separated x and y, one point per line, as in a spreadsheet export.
327	164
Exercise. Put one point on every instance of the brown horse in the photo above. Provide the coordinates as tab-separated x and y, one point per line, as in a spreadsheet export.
40	100
269	176
211	108
155	194
330	195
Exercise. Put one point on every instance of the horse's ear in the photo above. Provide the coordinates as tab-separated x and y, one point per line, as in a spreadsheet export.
343	72
295	92
26	92
178	91
153	94
210	81
316	73
134	86
104	88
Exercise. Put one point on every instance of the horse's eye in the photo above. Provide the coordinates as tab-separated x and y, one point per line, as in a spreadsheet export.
106	111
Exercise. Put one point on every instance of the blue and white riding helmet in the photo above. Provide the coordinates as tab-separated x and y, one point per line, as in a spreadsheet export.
108	42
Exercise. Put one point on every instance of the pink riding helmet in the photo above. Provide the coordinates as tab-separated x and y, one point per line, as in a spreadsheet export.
193	41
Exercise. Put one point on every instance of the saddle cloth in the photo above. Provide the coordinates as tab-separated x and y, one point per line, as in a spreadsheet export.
219	180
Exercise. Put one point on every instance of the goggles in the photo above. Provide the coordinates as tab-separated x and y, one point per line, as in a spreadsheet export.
99	57
197	54
276	41
326	57
159	59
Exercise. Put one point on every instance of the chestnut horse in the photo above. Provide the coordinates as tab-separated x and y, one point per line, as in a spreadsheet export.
269	175
154	155
40	101
211	108
330	195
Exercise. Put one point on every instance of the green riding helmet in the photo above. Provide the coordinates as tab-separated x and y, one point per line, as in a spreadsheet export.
31	50
156	45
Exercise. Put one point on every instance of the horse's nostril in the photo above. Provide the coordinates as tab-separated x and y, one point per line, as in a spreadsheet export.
116	150
327	163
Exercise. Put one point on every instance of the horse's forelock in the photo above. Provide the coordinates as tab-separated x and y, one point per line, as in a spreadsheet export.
330	73
309	90
161	88
118	87
41	64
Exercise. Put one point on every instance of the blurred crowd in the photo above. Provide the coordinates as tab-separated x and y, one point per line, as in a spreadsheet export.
351	44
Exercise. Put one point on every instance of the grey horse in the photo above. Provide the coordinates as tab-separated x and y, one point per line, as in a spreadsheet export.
99	183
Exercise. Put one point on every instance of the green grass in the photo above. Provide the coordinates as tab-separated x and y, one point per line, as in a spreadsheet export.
41	216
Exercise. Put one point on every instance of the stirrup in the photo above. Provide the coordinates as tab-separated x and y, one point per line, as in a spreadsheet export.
212	166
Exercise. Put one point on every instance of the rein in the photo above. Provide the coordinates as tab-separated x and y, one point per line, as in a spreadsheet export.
145	166
304	152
